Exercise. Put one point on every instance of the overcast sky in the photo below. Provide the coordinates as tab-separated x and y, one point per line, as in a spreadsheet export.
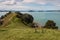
30	4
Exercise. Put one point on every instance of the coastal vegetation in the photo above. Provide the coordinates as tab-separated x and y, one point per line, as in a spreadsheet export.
51	24
18	26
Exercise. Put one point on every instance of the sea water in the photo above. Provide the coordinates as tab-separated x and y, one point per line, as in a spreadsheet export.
43	17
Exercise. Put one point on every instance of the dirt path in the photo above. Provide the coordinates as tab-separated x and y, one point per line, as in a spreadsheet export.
8	19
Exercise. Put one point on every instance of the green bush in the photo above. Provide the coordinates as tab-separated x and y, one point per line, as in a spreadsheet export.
1	22
34	25
50	24
27	18
18	14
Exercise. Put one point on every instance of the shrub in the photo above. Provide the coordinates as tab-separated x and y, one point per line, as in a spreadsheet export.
34	25
18	14
2	17
27	18
8	13
1	22
50	24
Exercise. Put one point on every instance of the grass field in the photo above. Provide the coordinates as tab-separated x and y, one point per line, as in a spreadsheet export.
16	30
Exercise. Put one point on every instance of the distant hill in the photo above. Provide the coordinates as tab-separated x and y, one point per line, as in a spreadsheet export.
31	10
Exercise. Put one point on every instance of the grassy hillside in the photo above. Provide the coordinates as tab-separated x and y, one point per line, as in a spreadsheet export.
16	30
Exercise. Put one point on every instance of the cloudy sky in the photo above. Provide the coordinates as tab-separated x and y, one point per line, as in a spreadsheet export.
30	4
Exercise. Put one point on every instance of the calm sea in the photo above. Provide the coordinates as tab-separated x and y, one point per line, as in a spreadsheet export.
42	17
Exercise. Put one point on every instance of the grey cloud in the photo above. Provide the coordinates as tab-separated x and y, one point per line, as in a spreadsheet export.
9	2
54	2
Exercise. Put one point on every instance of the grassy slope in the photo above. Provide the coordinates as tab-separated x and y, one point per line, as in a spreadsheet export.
16	30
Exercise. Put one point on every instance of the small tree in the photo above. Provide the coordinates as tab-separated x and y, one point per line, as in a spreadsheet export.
50	24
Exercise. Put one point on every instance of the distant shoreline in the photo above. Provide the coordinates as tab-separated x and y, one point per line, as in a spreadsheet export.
30	10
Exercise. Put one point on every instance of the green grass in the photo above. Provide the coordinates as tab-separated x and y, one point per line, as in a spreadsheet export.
16	30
